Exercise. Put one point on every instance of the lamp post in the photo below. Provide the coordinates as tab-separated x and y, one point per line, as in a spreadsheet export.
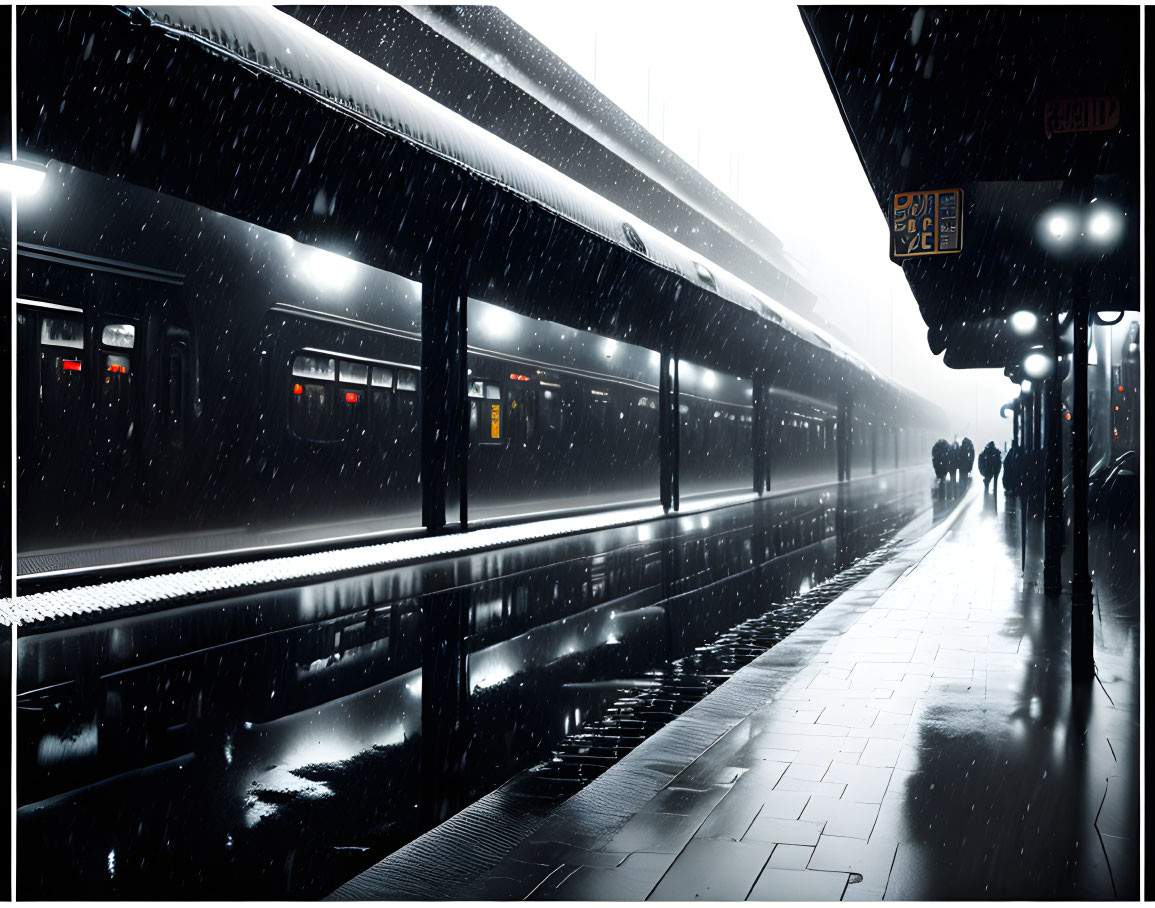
1082	601
1053	504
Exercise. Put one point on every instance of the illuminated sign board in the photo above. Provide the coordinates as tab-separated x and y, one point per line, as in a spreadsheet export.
1062	115
495	420
927	222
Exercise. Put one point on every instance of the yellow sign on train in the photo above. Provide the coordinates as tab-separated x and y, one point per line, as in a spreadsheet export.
928	222
495	420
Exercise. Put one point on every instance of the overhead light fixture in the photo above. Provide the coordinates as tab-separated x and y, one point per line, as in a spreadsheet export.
1026	386
1104	223
1038	365
1108	317
1057	228
326	270
1024	321
21	179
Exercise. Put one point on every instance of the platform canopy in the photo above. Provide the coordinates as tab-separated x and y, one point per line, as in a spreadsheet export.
980	99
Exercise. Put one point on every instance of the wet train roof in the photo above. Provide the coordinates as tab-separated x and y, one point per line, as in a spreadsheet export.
289	50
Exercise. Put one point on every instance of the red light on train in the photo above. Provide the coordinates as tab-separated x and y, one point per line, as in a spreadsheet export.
298	389
351	397
1116	408
1068	417
70	365
1120	389
117	367
513	376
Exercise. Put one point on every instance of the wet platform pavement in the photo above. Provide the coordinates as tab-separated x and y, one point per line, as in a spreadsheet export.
918	739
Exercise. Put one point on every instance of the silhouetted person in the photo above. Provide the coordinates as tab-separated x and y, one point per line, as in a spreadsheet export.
990	462
940	458
966	450
955	461
1011	470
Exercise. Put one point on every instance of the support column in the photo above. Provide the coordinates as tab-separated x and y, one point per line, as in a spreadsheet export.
665	430
676	434
1037	477
842	441
760	434
1082	601
1053	505
444	416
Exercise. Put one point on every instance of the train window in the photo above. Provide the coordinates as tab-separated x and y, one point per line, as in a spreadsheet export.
477	389
62	332
306	365
492	391
121	336
382	378
312	411
354	373
406	380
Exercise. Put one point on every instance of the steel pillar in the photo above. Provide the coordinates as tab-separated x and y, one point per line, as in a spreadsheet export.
761	434
669	428
444	416
1053	504
1082	599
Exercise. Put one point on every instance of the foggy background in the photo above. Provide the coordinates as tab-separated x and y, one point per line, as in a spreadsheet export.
736	90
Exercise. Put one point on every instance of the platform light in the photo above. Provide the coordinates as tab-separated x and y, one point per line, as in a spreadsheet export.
610	346
499	323
327	270
1104	223
1026	386
1108	317
1038	365
1058	228
709	379
21	179
1024	321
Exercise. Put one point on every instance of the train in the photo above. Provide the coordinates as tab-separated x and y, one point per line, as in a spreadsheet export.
184	368
274	305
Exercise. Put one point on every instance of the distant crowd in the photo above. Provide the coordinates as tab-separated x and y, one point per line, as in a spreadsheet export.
956	461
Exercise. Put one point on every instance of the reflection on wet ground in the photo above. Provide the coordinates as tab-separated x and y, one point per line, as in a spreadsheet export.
919	739
298	716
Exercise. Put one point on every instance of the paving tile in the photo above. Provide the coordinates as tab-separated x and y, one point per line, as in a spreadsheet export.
842	817
688	802
799	886
551	853
826	789
513	879
713	870
661	833
731	818
812	772
859	716
790	857
788	832
784	805
865	784
880	752
632	881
